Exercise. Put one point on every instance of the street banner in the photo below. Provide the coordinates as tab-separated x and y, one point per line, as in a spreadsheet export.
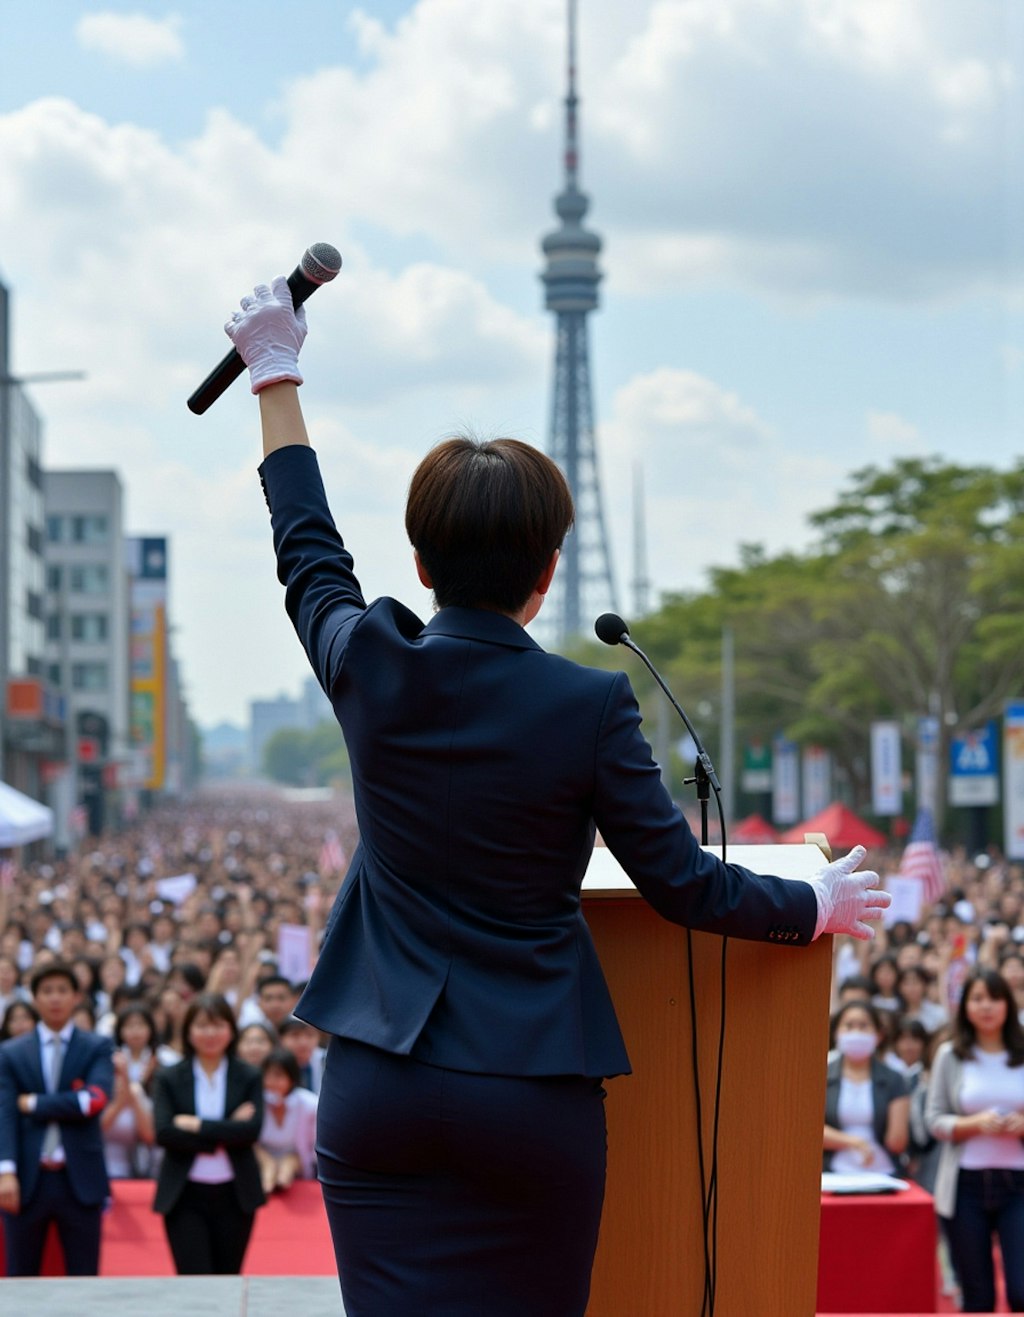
785	781
927	764
974	767
756	777
886	768
817	779
1013	779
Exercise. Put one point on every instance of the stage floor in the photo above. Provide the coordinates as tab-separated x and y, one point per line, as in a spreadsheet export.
198	1296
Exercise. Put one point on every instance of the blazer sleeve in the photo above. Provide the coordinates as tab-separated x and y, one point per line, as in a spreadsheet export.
228	1133
652	841
323	598
96	1078
167	1104
8	1109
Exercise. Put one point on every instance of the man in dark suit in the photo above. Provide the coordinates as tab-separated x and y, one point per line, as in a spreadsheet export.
54	1082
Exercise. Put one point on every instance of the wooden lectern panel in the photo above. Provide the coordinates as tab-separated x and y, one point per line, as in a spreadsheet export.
650	1259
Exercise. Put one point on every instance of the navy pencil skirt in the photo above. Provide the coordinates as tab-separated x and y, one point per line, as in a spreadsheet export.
459	1195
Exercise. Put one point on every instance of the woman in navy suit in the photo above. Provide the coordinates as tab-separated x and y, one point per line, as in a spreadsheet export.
207	1113
461	1143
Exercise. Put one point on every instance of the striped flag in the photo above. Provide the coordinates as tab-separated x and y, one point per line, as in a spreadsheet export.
922	858
332	854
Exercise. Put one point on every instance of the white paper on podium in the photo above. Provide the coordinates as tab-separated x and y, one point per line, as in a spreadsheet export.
606	877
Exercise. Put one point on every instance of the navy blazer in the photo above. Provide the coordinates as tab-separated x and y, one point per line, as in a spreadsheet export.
480	767
174	1094
87	1066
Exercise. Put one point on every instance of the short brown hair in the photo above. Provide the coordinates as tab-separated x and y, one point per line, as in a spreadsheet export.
485	516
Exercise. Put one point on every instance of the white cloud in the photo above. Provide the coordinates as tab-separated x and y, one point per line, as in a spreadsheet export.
825	147
130	256
1011	357
893	433
716	475
805	149
133	39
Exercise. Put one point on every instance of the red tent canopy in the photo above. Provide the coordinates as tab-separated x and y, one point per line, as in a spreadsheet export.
754	831
841	826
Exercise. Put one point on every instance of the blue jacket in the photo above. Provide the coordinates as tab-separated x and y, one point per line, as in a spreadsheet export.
480	767
87	1066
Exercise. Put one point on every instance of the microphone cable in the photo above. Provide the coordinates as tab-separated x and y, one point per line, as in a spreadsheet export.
612	630
709	1191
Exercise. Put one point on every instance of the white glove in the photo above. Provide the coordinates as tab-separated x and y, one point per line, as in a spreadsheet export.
846	899
268	333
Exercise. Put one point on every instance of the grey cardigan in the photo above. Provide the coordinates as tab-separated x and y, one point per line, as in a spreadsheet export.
942	1108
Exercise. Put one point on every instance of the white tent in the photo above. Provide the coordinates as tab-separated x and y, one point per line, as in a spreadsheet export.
22	819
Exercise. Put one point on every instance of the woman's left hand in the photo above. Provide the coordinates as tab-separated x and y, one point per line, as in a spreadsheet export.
1014	1124
190	1124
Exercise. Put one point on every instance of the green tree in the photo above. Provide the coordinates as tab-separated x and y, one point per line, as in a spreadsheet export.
307	758
912	602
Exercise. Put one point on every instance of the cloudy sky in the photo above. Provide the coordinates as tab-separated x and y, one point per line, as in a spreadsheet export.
812	216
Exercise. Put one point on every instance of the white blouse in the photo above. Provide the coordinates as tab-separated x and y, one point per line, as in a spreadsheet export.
211	1095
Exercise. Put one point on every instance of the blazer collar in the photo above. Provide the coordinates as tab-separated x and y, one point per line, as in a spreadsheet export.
480	624
45	1033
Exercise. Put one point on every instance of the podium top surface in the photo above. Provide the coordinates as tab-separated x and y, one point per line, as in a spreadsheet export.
606	877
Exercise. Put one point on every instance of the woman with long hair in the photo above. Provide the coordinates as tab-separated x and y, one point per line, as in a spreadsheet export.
208	1111
975	1107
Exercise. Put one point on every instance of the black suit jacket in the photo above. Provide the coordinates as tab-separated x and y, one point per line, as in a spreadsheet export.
86	1067
173	1095
480	767
886	1086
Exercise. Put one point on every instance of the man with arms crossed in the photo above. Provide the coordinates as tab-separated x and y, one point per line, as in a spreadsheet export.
54	1082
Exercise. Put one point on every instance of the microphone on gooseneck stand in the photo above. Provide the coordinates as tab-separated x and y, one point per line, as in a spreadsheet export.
612	630
318	266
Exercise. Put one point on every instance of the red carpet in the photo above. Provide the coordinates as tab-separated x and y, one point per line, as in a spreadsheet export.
290	1236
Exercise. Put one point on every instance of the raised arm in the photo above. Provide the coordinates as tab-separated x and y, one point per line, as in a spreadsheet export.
281	417
268	334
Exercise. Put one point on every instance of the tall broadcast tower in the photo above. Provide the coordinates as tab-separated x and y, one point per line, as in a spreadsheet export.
583	586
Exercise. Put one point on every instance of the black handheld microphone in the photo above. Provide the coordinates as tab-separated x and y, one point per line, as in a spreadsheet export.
319	265
611	629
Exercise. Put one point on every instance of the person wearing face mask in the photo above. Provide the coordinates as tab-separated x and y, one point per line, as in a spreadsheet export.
975	1108
867	1106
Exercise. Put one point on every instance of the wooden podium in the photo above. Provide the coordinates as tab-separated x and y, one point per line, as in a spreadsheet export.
650	1256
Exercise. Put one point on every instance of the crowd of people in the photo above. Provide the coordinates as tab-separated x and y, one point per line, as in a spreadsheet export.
174	934
170	940
926	1069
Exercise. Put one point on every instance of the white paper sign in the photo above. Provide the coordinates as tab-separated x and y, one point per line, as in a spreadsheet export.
294	952
907	897
176	889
